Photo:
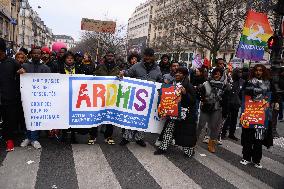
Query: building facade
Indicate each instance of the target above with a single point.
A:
(32, 30)
(138, 30)
(68, 40)
(9, 12)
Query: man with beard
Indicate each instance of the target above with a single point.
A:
(35, 66)
(108, 68)
(46, 59)
(148, 70)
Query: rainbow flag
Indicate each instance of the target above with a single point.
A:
(256, 32)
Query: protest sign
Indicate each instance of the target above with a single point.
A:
(254, 113)
(54, 101)
(169, 101)
(98, 25)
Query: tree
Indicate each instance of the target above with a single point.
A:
(205, 24)
(93, 41)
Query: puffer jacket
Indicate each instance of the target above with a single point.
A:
(33, 67)
(139, 71)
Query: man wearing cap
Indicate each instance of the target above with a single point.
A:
(10, 97)
(46, 59)
(148, 70)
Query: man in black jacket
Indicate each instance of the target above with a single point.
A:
(9, 95)
(35, 66)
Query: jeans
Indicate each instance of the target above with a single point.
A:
(32, 135)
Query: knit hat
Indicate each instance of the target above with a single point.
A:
(2, 45)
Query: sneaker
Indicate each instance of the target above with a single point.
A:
(244, 162)
(173, 142)
(258, 165)
(25, 143)
(159, 152)
(206, 139)
(9, 145)
(158, 143)
(233, 137)
(36, 144)
(91, 141)
(219, 141)
(123, 142)
(109, 141)
(141, 143)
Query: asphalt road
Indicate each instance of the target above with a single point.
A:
(69, 166)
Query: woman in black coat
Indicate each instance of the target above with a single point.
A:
(252, 139)
(183, 129)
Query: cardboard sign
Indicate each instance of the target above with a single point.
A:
(98, 26)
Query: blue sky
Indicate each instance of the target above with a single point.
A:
(64, 16)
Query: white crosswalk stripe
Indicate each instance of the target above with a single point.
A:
(166, 174)
(269, 164)
(279, 142)
(93, 169)
(20, 168)
(238, 178)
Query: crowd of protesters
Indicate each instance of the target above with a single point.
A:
(211, 98)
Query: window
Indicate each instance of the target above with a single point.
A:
(190, 56)
(184, 56)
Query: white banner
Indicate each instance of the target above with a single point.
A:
(56, 101)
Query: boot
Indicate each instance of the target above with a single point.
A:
(212, 146)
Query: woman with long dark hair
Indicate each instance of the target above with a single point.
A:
(257, 87)
(183, 130)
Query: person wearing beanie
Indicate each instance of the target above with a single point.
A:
(148, 70)
(10, 98)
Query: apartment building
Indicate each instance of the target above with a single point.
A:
(32, 30)
(9, 11)
(68, 40)
(138, 29)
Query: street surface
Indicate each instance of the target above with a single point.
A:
(72, 166)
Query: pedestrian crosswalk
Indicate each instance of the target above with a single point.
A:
(70, 166)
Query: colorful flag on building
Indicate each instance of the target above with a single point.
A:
(256, 32)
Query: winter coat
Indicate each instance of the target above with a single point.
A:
(169, 77)
(77, 70)
(31, 67)
(139, 71)
(87, 69)
(257, 89)
(9, 82)
(103, 70)
(53, 66)
(212, 95)
(185, 130)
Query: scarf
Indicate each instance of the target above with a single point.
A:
(69, 69)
